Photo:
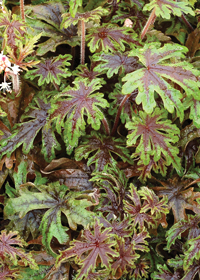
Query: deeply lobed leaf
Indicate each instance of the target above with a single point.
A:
(81, 101)
(97, 245)
(158, 76)
(156, 135)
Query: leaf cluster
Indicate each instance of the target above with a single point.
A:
(99, 140)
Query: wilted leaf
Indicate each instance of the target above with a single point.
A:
(181, 196)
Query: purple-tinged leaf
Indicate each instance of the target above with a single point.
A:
(135, 210)
(110, 37)
(158, 75)
(114, 63)
(102, 150)
(191, 224)
(181, 196)
(80, 102)
(51, 70)
(193, 253)
(127, 256)
(141, 269)
(25, 133)
(139, 242)
(165, 274)
(121, 229)
(96, 245)
(156, 135)
(7, 241)
(14, 28)
(6, 271)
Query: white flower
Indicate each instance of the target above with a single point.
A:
(4, 62)
(15, 69)
(5, 86)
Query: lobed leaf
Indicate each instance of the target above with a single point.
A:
(127, 256)
(97, 245)
(134, 208)
(87, 16)
(156, 135)
(164, 8)
(80, 102)
(110, 37)
(56, 199)
(47, 18)
(114, 63)
(181, 196)
(158, 75)
(176, 231)
(100, 150)
(51, 70)
(25, 133)
(7, 241)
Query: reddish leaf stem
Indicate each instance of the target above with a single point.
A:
(22, 9)
(187, 22)
(150, 21)
(82, 42)
(106, 126)
(126, 97)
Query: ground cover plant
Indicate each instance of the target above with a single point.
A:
(99, 139)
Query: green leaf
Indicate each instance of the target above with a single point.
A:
(164, 8)
(47, 19)
(75, 104)
(110, 37)
(193, 253)
(31, 274)
(56, 199)
(158, 76)
(114, 63)
(51, 70)
(93, 15)
(100, 150)
(73, 6)
(154, 135)
(25, 133)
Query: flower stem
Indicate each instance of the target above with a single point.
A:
(22, 9)
(126, 97)
(150, 21)
(82, 42)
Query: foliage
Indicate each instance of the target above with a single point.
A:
(99, 139)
